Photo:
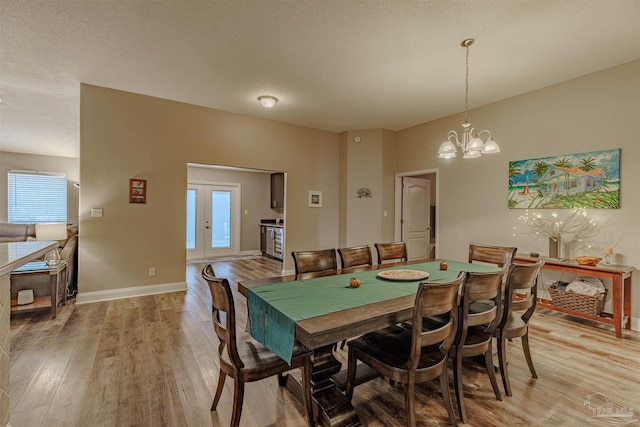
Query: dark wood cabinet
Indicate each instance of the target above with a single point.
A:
(277, 190)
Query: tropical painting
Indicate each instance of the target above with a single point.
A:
(571, 181)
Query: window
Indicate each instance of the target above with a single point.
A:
(36, 197)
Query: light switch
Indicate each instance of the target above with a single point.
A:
(96, 212)
(246, 212)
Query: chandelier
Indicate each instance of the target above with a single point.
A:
(470, 142)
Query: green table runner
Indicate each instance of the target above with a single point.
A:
(273, 309)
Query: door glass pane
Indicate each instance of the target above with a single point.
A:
(191, 219)
(220, 219)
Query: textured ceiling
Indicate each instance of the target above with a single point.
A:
(334, 65)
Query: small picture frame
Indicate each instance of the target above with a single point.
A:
(137, 191)
(315, 199)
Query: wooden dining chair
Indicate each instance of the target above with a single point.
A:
(396, 251)
(314, 261)
(412, 356)
(518, 307)
(355, 256)
(244, 359)
(475, 329)
(489, 254)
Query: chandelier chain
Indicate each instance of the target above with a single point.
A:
(466, 89)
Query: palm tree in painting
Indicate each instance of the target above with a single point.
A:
(540, 168)
(562, 163)
(588, 164)
(513, 171)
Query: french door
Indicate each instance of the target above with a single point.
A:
(213, 220)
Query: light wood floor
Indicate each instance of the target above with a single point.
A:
(151, 361)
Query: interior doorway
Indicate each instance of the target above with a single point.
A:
(251, 207)
(416, 212)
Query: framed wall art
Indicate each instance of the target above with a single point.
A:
(315, 199)
(570, 181)
(137, 191)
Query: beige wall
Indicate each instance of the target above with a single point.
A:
(593, 112)
(388, 152)
(124, 135)
(255, 199)
(370, 164)
(32, 162)
(364, 166)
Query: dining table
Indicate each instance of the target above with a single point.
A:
(323, 309)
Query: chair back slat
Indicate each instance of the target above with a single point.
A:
(498, 255)
(314, 261)
(523, 301)
(355, 256)
(396, 251)
(484, 317)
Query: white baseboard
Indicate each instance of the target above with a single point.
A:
(254, 252)
(635, 324)
(136, 291)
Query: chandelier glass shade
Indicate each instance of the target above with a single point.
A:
(469, 141)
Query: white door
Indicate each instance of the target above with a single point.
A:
(416, 196)
(213, 220)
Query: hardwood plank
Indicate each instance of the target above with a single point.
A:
(165, 408)
(65, 410)
(46, 380)
(100, 405)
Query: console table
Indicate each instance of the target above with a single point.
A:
(620, 276)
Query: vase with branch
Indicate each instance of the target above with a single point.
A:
(563, 235)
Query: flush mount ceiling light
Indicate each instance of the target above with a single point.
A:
(267, 101)
(471, 144)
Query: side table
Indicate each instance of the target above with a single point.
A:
(620, 276)
(25, 277)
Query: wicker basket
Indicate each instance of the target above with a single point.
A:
(583, 303)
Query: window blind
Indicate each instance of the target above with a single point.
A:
(36, 197)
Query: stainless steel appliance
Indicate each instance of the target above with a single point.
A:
(274, 242)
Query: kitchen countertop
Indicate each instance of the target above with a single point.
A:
(271, 223)
(15, 254)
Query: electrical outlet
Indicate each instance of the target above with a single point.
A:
(96, 212)
(152, 271)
